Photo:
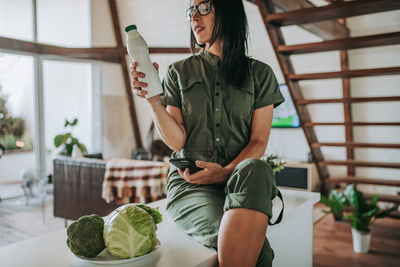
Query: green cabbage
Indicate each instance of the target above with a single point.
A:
(130, 231)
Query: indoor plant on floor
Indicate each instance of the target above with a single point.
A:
(361, 217)
(337, 202)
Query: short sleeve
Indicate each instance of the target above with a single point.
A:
(267, 90)
(171, 94)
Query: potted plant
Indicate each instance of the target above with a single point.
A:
(361, 217)
(274, 162)
(337, 203)
(67, 141)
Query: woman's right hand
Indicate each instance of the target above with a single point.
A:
(137, 86)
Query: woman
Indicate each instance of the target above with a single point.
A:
(219, 107)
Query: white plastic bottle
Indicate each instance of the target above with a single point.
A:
(139, 51)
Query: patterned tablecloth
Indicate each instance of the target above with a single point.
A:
(134, 181)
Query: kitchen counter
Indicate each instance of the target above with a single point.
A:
(291, 241)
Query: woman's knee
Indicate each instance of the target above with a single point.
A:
(253, 171)
(252, 186)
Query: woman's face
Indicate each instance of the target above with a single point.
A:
(202, 26)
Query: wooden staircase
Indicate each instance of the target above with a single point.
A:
(337, 10)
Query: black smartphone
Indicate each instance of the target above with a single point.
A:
(183, 163)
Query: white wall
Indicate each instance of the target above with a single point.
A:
(163, 24)
(379, 57)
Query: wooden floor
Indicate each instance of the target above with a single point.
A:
(19, 221)
(333, 244)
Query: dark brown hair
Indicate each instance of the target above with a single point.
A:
(231, 27)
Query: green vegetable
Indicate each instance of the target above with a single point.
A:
(85, 236)
(155, 213)
(130, 230)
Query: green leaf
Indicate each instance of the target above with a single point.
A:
(374, 200)
(155, 213)
(324, 200)
(74, 122)
(362, 202)
(370, 213)
(82, 148)
(385, 213)
(61, 139)
(348, 216)
(58, 140)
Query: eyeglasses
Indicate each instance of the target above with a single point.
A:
(204, 8)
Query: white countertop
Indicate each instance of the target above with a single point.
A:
(177, 249)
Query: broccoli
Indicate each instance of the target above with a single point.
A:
(85, 236)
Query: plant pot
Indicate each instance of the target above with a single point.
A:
(361, 241)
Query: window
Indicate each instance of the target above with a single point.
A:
(67, 90)
(17, 122)
(18, 27)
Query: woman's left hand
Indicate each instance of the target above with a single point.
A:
(212, 173)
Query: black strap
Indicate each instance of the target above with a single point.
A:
(281, 213)
(2, 149)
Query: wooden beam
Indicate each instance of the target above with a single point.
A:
(348, 100)
(354, 145)
(109, 54)
(276, 37)
(324, 29)
(346, 74)
(333, 11)
(361, 163)
(19, 45)
(125, 72)
(362, 180)
(169, 50)
(342, 43)
(312, 124)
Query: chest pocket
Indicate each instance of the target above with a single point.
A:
(193, 97)
(243, 102)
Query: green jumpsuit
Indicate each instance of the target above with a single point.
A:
(217, 119)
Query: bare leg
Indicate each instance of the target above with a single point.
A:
(241, 237)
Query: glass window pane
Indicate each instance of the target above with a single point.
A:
(16, 19)
(17, 116)
(64, 23)
(67, 90)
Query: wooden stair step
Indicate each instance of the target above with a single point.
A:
(347, 100)
(332, 11)
(354, 144)
(385, 198)
(311, 124)
(345, 74)
(395, 214)
(342, 44)
(356, 163)
(362, 180)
